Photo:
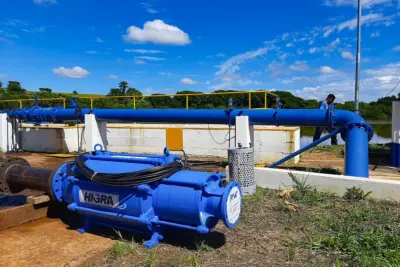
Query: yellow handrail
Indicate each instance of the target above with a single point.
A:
(187, 97)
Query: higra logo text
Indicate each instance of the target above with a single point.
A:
(97, 198)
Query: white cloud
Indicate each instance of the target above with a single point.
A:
(157, 32)
(143, 51)
(75, 72)
(327, 70)
(92, 52)
(375, 34)
(148, 6)
(312, 50)
(392, 69)
(299, 79)
(233, 82)
(366, 3)
(373, 19)
(3, 76)
(329, 48)
(99, 40)
(43, 2)
(168, 74)
(396, 48)
(188, 81)
(112, 76)
(151, 10)
(282, 56)
(232, 64)
(139, 62)
(300, 51)
(375, 83)
(255, 73)
(299, 66)
(276, 68)
(347, 55)
(289, 45)
(217, 55)
(150, 58)
(15, 23)
(39, 29)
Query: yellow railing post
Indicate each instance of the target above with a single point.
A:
(20, 104)
(265, 100)
(134, 102)
(249, 100)
(187, 101)
(91, 102)
(64, 102)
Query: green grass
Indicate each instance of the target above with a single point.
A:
(120, 248)
(366, 234)
(307, 194)
(323, 230)
(359, 233)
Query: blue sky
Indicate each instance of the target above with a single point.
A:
(306, 47)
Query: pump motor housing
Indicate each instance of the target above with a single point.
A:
(190, 200)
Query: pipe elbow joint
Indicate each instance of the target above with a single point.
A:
(349, 120)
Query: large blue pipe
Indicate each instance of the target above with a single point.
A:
(284, 117)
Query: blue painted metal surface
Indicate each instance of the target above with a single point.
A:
(188, 200)
(395, 155)
(307, 147)
(356, 151)
(284, 117)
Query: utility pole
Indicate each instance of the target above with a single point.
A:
(358, 58)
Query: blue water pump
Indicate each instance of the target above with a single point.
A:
(186, 199)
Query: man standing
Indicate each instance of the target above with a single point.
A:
(318, 131)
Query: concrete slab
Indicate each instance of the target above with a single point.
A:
(279, 179)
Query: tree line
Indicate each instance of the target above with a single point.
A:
(381, 109)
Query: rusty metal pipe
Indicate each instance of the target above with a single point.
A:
(21, 177)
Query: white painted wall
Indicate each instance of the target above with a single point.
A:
(396, 122)
(270, 143)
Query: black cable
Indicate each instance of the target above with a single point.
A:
(393, 88)
(225, 140)
(129, 179)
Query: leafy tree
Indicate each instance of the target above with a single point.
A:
(74, 92)
(115, 92)
(1, 84)
(133, 92)
(123, 87)
(14, 87)
(45, 90)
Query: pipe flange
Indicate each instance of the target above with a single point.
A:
(5, 164)
(352, 125)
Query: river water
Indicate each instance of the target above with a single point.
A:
(382, 134)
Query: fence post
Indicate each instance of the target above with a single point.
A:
(187, 101)
(64, 102)
(20, 104)
(91, 103)
(249, 100)
(265, 99)
(134, 102)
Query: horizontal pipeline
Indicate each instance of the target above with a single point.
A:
(284, 117)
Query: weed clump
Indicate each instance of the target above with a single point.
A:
(355, 193)
(307, 194)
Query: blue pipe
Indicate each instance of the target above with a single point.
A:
(395, 155)
(307, 147)
(284, 117)
(356, 151)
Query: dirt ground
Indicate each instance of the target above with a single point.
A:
(257, 241)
